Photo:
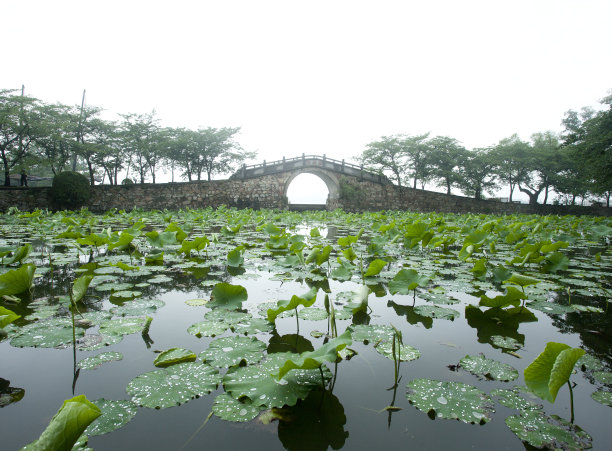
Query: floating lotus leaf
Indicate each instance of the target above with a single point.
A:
(216, 322)
(586, 308)
(159, 279)
(115, 414)
(603, 377)
(512, 398)
(228, 296)
(589, 362)
(230, 409)
(550, 307)
(505, 342)
(114, 286)
(434, 311)
(367, 333)
(122, 326)
(252, 326)
(48, 333)
(406, 352)
(490, 369)
(138, 307)
(229, 351)
(602, 397)
(312, 314)
(293, 343)
(450, 400)
(173, 356)
(42, 312)
(8, 394)
(126, 294)
(438, 298)
(542, 431)
(93, 318)
(196, 302)
(257, 383)
(522, 280)
(91, 363)
(174, 385)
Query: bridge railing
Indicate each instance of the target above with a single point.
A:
(302, 158)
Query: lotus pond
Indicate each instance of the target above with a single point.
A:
(229, 329)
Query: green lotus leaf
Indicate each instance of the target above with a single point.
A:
(589, 362)
(159, 279)
(450, 400)
(94, 239)
(522, 280)
(407, 280)
(229, 351)
(371, 333)
(17, 281)
(312, 314)
(505, 342)
(344, 271)
(230, 409)
(292, 343)
(122, 326)
(438, 298)
(174, 385)
(196, 302)
(375, 267)
(318, 255)
(8, 394)
(490, 369)
(19, 254)
(306, 300)
(542, 431)
(314, 359)
(555, 262)
(604, 377)
(587, 308)
(126, 294)
(121, 242)
(114, 286)
(115, 415)
(513, 296)
(217, 321)
(93, 318)
(91, 363)
(257, 383)
(80, 286)
(173, 356)
(551, 369)
(406, 352)
(551, 308)
(138, 307)
(251, 326)
(434, 311)
(512, 398)
(602, 397)
(155, 258)
(67, 425)
(157, 239)
(228, 296)
(7, 317)
(235, 257)
(48, 333)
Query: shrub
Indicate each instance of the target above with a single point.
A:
(127, 182)
(70, 190)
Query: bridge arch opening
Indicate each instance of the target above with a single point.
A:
(307, 188)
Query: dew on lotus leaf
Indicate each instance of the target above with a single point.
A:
(228, 349)
(282, 382)
(243, 412)
(478, 415)
(442, 400)
(174, 376)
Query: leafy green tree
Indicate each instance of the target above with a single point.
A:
(543, 165)
(18, 129)
(510, 156)
(387, 155)
(417, 150)
(138, 134)
(477, 173)
(444, 157)
(54, 144)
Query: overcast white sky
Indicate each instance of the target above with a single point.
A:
(318, 77)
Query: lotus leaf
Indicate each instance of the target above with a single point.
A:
(406, 352)
(551, 308)
(115, 415)
(257, 383)
(551, 369)
(229, 351)
(48, 333)
(522, 280)
(312, 314)
(513, 296)
(8, 394)
(196, 302)
(314, 359)
(375, 267)
(603, 377)
(157, 239)
(490, 369)
(505, 342)
(228, 296)
(19, 254)
(17, 281)
(587, 308)
(306, 300)
(602, 397)
(434, 311)
(407, 280)
(542, 431)
(251, 326)
(512, 398)
(138, 307)
(173, 356)
(126, 294)
(122, 326)
(174, 385)
(91, 363)
(114, 286)
(7, 317)
(438, 298)
(371, 333)
(450, 400)
(230, 409)
(67, 425)
(589, 362)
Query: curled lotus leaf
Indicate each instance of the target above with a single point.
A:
(173, 356)
(450, 400)
(115, 414)
(230, 409)
(542, 431)
(229, 351)
(490, 369)
(257, 383)
(174, 385)
(91, 363)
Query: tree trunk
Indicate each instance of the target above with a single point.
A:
(448, 187)
(92, 180)
(7, 176)
(415, 183)
(545, 194)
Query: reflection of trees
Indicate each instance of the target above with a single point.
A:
(315, 423)
(497, 321)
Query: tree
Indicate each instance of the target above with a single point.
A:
(18, 115)
(510, 156)
(54, 144)
(417, 150)
(543, 164)
(444, 157)
(477, 173)
(386, 155)
(138, 135)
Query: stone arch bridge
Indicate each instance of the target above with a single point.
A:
(281, 173)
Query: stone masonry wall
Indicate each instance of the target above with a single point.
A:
(267, 192)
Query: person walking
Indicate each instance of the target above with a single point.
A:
(24, 178)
